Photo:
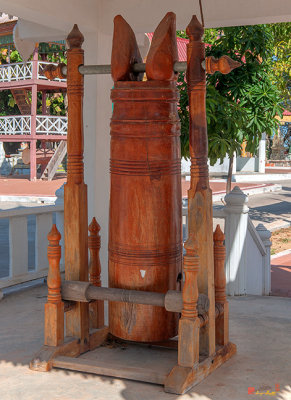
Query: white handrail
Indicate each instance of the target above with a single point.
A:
(17, 212)
(19, 270)
(256, 238)
(41, 67)
(15, 125)
(45, 125)
(16, 72)
(51, 125)
(23, 70)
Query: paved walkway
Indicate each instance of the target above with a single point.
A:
(272, 209)
(219, 186)
(278, 170)
(24, 187)
(259, 327)
(281, 275)
(16, 186)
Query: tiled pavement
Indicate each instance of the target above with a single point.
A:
(281, 275)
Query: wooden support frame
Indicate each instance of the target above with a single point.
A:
(203, 343)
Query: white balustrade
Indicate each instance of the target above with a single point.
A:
(19, 269)
(248, 261)
(23, 71)
(40, 72)
(45, 125)
(51, 125)
(16, 72)
(15, 125)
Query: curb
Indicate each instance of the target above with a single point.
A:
(247, 178)
(250, 191)
(29, 199)
(283, 225)
(281, 254)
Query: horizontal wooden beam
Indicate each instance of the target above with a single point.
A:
(85, 292)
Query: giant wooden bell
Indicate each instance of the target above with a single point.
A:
(145, 244)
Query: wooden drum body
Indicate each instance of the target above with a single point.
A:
(145, 241)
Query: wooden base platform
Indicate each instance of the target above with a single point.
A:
(139, 362)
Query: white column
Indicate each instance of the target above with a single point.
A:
(18, 246)
(43, 227)
(234, 163)
(236, 222)
(265, 236)
(97, 115)
(262, 153)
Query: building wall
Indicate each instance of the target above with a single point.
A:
(247, 164)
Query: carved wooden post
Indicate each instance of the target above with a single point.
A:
(96, 308)
(221, 323)
(189, 324)
(75, 192)
(200, 194)
(54, 308)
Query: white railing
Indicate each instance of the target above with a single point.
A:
(24, 70)
(40, 71)
(51, 125)
(16, 72)
(45, 125)
(15, 125)
(248, 260)
(18, 269)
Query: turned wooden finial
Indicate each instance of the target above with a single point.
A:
(54, 257)
(94, 244)
(218, 235)
(54, 236)
(223, 64)
(94, 227)
(75, 38)
(195, 29)
(219, 259)
(125, 52)
(163, 52)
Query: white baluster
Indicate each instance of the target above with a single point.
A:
(43, 226)
(18, 246)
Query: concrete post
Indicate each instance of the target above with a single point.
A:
(234, 163)
(2, 158)
(265, 236)
(33, 166)
(60, 223)
(262, 154)
(236, 225)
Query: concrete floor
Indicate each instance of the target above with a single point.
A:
(260, 326)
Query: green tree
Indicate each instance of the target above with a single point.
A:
(281, 60)
(240, 105)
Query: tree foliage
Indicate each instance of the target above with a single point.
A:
(243, 104)
(281, 61)
(55, 101)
